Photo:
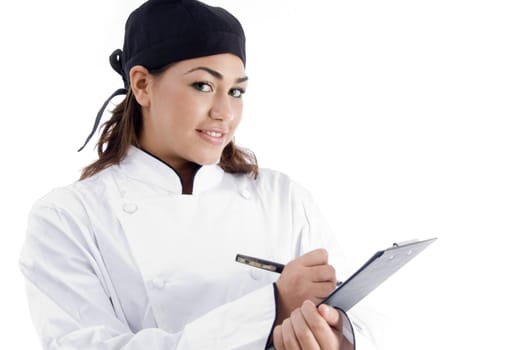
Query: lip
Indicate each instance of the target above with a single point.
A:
(214, 136)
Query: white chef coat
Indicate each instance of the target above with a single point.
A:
(124, 260)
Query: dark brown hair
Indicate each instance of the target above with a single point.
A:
(123, 130)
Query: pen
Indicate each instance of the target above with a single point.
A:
(263, 264)
(260, 263)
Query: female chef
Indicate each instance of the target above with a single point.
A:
(139, 254)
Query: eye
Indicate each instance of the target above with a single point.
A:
(202, 86)
(237, 92)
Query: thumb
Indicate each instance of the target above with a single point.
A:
(331, 315)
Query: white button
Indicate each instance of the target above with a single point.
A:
(245, 193)
(158, 283)
(130, 208)
(255, 274)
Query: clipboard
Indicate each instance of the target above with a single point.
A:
(382, 265)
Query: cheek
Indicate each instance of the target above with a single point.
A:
(233, 126)
(238, 113)
(181, 109)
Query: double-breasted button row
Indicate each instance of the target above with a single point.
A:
(130, 208)
(245, 193)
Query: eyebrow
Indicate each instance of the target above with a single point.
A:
(216, 74)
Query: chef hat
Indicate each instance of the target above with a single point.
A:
(160, 32)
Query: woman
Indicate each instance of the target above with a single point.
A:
(139, 254)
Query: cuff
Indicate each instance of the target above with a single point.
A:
(347, 328)
(269, 344)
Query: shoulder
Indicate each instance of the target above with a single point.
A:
(272, 183)
(66, 215)
(271, 178)
(72, 199)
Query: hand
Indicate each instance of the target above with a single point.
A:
(308, 277)
(311, 328)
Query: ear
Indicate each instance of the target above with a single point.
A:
(140, 83)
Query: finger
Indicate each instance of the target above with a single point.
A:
(323, 273)
(277, 338)
(314, 257)
(322, 289)
(322, 331)
(289, 337)
(303, 333)
(331, 315)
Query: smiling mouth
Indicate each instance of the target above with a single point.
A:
(213, 133)
(215, 137)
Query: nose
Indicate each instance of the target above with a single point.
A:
(222, 109)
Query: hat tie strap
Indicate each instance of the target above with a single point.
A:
(116, 64)
(99, 115)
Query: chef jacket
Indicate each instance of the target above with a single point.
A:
(124, 260)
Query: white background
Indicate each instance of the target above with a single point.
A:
(405, 119)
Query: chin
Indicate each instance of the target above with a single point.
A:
(207, 160)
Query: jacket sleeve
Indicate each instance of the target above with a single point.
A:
(315, 232)
(71, 305)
